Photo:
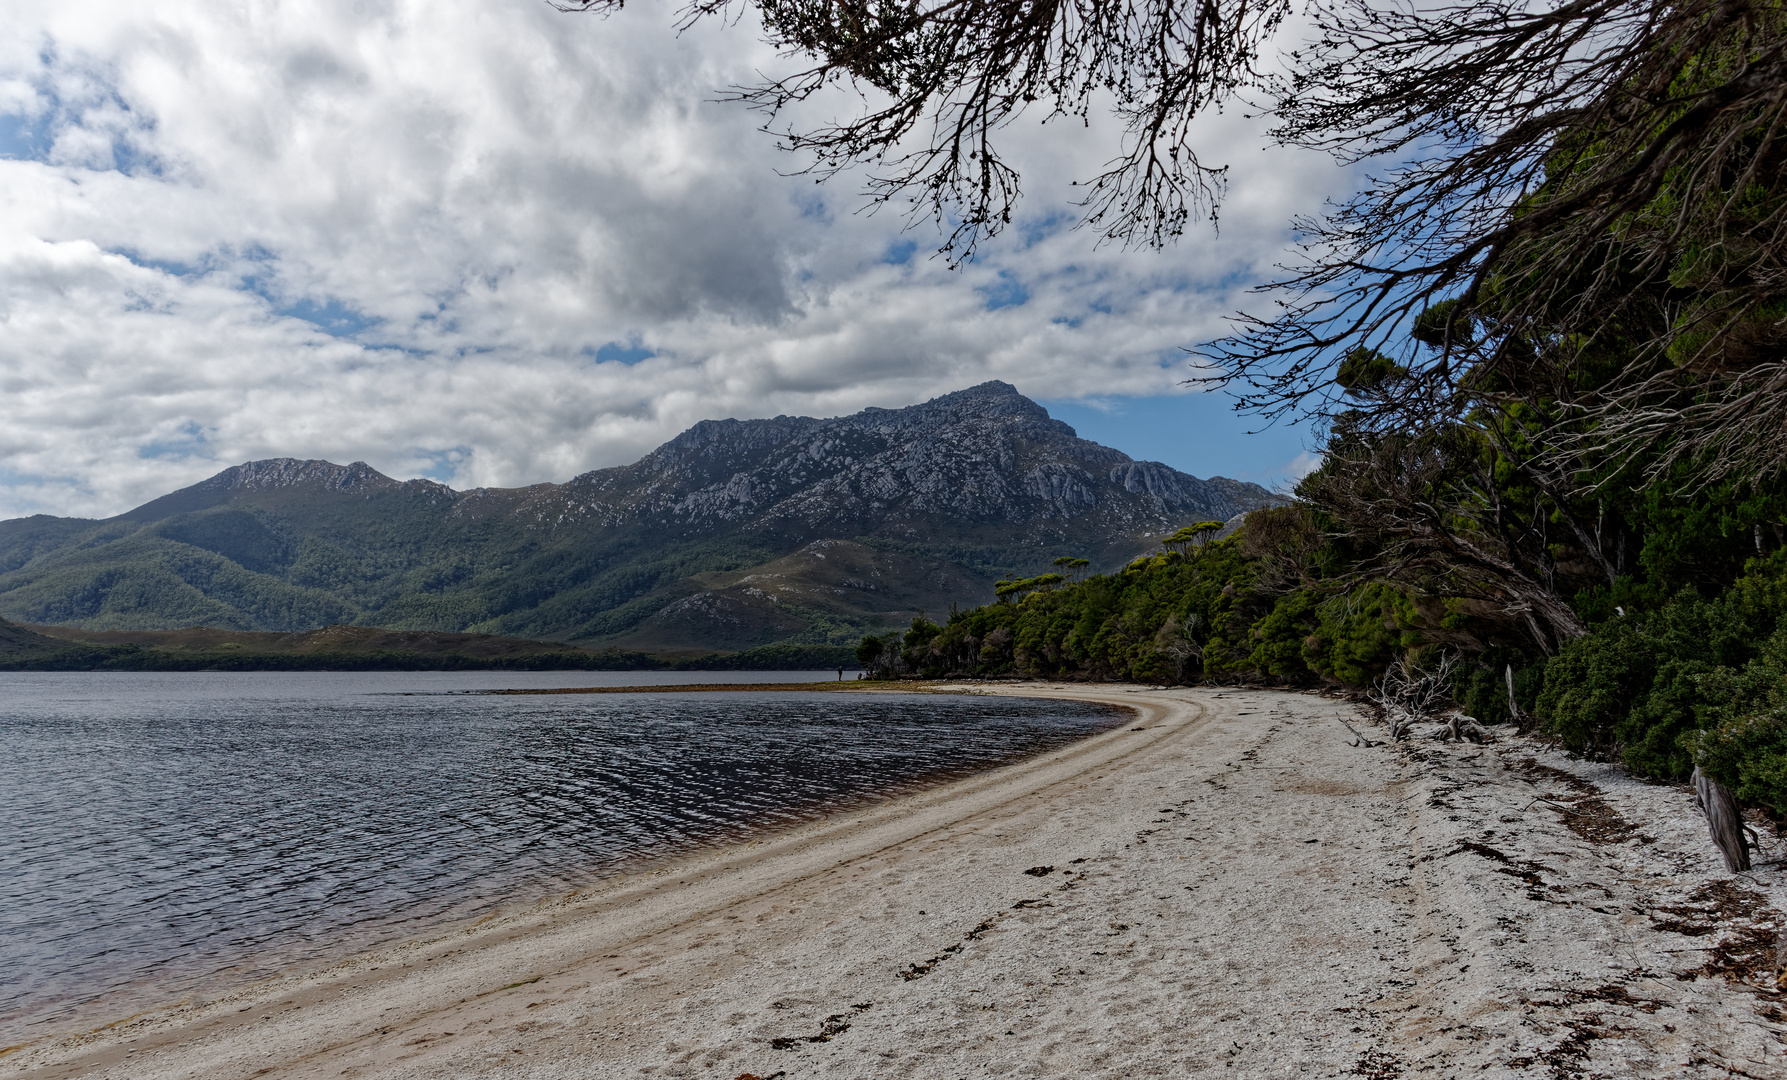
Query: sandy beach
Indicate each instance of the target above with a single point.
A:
(1229, 885)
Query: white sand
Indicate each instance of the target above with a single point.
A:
(1234, 890)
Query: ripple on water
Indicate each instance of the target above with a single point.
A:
(159, 836)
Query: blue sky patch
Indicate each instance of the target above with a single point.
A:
(622, 352)
(899, 254)
(440, 465)
(812, 206)
(30, 138)
(331, 316)
(13, 478)
(130, 161)
(20, 139)
(1036, 230)
(166, 266)
(1196, 433)
(184, 443)
(1007, 292)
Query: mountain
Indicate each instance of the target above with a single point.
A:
(736, 533)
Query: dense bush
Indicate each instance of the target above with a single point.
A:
(1171, 617)
(1481, 688)
(1207, 612)
(1693, 679)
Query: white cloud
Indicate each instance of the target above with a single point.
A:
(1302, 465)
(403, 232)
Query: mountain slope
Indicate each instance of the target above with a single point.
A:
(832, 587)
(935, 501)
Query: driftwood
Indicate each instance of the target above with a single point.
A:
(1408, 696)
(1459, 727)
(1723, 821)
(1516, 714)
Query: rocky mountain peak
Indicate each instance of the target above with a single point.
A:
(982, 457)
(273, 473)
(990, 404)
(990, 401)
(990, 407)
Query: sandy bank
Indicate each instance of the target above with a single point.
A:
(1227, 886)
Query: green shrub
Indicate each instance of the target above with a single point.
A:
(915, 644)
(1651, 735)
(1748, 754)
(1279, 637)
(1360, 634)
(1743, 713)
(1592, 685)
(1640, 687)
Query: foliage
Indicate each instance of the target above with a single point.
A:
(1201, 611)
(1744, 743)
(1644, 685)
(1019, 587)
(1481, 688)
(1358, 635)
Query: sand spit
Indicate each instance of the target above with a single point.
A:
(1228, 886)
(824, 686)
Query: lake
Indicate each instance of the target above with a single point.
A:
(165, 835)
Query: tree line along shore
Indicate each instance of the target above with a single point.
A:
(1681, 660)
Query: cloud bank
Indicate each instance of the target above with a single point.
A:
(487, 242)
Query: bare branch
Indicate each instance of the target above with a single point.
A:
(1594, 182)
(939, 81)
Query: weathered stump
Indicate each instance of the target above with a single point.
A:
(1723, 821)
(1516, 715)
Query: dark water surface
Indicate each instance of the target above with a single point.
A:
(165, 834)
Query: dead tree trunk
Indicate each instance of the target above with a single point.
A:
(1516, 715)
(1723, 821)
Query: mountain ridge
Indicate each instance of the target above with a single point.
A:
(952, 492)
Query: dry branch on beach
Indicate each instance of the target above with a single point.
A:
(1407, 695)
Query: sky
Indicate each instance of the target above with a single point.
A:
(494, 244)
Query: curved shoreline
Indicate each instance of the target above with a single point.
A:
(580, 794)
(142, 1033)
(1230, 884)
